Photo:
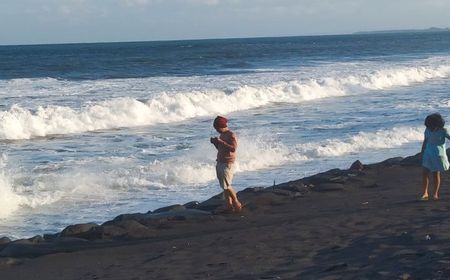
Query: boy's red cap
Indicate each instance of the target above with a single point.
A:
(220, 122)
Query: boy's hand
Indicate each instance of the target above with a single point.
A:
(214, 140)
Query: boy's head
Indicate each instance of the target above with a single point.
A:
(434, 121)
(220, 123)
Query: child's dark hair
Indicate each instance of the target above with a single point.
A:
(434, 121)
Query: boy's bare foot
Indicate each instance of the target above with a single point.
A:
(238, 207)
(435, 197)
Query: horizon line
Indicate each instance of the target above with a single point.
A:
(374, 32)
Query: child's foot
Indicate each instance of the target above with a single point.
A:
(237, 207)
(435, 197)
(424, 197)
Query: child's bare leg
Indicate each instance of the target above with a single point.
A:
(228, 200)
(437, 184)
(425, 182)
(234, 200)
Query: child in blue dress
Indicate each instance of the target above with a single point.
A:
(434, 156)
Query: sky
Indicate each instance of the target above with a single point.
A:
(70, 21)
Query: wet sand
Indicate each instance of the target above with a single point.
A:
(341, 224)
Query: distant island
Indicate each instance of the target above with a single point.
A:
(431, 29)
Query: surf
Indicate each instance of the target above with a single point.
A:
(20, 122)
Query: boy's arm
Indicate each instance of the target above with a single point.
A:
(230, 147)
(215, 142)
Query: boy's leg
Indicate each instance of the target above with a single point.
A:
(437, 184)
(425, 182)
(234, 200)
(228, 177)
(228, 200)
(222, 176)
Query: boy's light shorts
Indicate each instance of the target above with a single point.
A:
(225, 172)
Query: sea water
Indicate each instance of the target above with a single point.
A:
(90, 131)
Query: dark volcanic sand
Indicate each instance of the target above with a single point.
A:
(366, 225)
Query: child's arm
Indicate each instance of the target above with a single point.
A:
(446, 134)
(424, 143)
(214, 141)
(230, 147)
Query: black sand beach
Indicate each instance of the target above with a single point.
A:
(341, 224)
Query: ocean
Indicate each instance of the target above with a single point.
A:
(90, 131)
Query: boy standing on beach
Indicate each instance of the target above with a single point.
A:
(226, 145)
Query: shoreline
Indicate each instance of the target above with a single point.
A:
(359, 223)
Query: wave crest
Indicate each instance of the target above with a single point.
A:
(22, 123)
(363, 141)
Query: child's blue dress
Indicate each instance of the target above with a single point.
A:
(434, 156)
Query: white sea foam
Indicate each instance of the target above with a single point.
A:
(22, 123)
(258, 152)
(363, 141)
(402, 76)
(76, 184)
(110, 178)
(198, 165)
(107, 179)
(261, 152)
(9, 200)
(13, 195)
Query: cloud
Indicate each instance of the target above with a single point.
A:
(53, 8)
(134, 3)
(205, 2)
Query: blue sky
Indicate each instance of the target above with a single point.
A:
(58, 21)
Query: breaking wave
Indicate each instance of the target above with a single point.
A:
(363, 141)
(22, 123)
(105, 180)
